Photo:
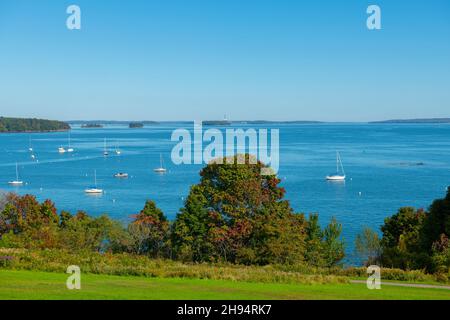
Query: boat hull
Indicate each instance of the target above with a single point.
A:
(335, 178)
(15, 183)
(93, 191)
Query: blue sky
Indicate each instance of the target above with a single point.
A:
(201, 59)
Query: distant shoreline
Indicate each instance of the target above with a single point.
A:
(258, 121)
(424, 120)
(31, 125)
(238, 122)
(31, 131)
(85, 124)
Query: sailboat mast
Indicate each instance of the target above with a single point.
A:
(95, 178)
(337, 161)
(17, 172)
(340, 163)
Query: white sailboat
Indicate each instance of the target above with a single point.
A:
(30, 148)
(338, 176)
(70, 149)
(105, 151)
(61, 150)
(161, 168)
(16, 182)
(94, 189)
(118, 152)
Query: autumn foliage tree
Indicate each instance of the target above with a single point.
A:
(27, 223)
(236, 214)
(32, 223)
(150, 231)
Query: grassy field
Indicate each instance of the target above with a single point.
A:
(42, 285)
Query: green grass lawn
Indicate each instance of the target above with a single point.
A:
(42, 285)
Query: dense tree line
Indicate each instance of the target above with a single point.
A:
(411, 239)
(136, 125)
(233, 215)
(31, 125)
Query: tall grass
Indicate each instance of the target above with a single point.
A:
(138, 265)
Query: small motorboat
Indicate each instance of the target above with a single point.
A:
(121, 175)
(93, 191)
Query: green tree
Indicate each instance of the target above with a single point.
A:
(334, 246)
(436, 223)
(400, 242)
(324, 247)
(82, 232)
(368, 246)
(440, 259)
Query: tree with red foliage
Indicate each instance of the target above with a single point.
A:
(236, 214)
(150, 231)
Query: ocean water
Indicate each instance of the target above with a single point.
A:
(387, 165)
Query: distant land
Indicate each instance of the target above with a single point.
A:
(42, 125)
(288, 121)
(12, 125)
(216, 123)
(430, 120)
(91, 125)
(136, 125)
(108, 122)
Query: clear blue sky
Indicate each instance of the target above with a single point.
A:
(200, 59)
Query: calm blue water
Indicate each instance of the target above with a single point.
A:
(380, 162)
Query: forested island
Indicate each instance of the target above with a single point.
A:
(31, 125)
(136, 125)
